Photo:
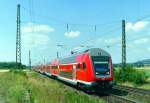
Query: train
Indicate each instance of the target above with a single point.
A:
(91, 68)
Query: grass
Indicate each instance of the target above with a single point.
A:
(30, 87)
(146, 70)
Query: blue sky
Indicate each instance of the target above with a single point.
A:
(46, 26)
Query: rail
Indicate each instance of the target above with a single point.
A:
(132, 89)
(111, 98)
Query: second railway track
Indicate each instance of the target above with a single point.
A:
(140, 95)
(111, 98)
(132, 89)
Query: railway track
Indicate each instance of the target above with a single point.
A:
(107, 96)
(111, 98)
(138, 94)
(132, 89)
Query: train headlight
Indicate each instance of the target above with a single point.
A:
(97, 73)
(107, 73)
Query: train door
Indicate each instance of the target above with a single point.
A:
(74, 72)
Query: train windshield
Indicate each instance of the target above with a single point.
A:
(101, 65)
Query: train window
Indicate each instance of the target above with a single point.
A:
(78, 66)
(54, 67)
(84, 66)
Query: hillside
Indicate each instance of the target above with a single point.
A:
(145, 61)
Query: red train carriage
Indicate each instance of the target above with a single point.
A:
(90, 68)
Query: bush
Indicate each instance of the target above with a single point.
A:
(117, 75)
(130, 74)
(139, 77)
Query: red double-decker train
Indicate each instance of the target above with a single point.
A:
(87, 69)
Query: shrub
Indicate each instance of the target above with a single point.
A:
(130, 74)
(139, 77)
(117, 75)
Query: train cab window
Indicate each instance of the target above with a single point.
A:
(84, 66)
(78, 66)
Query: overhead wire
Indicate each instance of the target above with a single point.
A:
(67, 22)
(102, 35)
(64, 22)
(93, 25)
(139, 19)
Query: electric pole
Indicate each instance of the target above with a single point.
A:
(123, 45)
(18, 40)
(29, 59)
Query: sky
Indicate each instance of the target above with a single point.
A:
(74, 25)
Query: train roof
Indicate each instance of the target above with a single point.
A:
(91, 51)
(96, 52)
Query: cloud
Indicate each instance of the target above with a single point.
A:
(32, 40)
(40, 28)
(72, 34)
(141, 41)
(36, 35)
(140, 25)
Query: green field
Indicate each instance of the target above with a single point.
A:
(143, 86)
(145, 69)
(30, 87)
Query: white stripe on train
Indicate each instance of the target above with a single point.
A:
(74, 82)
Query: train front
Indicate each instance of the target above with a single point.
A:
(103, 69)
